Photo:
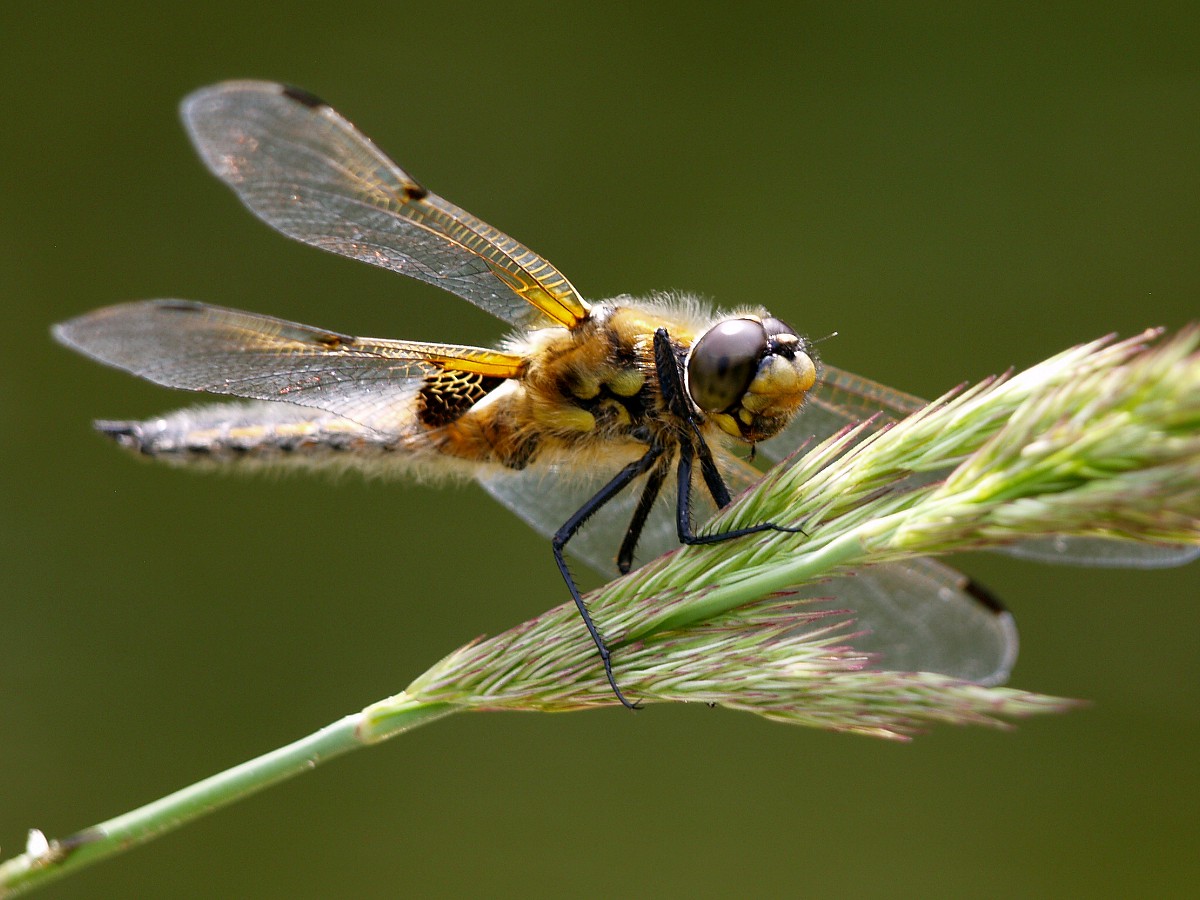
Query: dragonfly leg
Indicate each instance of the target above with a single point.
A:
(564, 534)
(683, 509)
(654, 483)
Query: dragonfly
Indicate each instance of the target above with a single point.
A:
(575, 421)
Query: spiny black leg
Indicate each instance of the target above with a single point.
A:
(654, 483)
(683, 508)
(670, 379)
(572, 525)
(709, 471)
(718, 490)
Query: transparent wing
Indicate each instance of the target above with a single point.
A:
(922, 616)
(305, 170)
(1105, 553)
(546, 496)
(197, 347)
(843, 398)
(918, 615)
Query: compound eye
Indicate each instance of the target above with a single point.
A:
(724, 362)
(775, 327)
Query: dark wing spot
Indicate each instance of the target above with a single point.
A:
(333, 341)
(188, 306)
(985, 597)
(303, 97)
(414, 191)
(448, 394)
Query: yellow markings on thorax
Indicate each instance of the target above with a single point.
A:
(565, 417)
(584, 385)
(626, 382)
(614, 412)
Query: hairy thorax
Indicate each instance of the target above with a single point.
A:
(590, 393)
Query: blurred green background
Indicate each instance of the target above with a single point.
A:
(952, 189)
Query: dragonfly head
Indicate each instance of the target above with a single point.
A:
(750, 374)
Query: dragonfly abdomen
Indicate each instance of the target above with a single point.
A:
(265, 432)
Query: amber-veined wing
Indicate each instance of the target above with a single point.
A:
(197, 347)
(843, 398)
(305, 170)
